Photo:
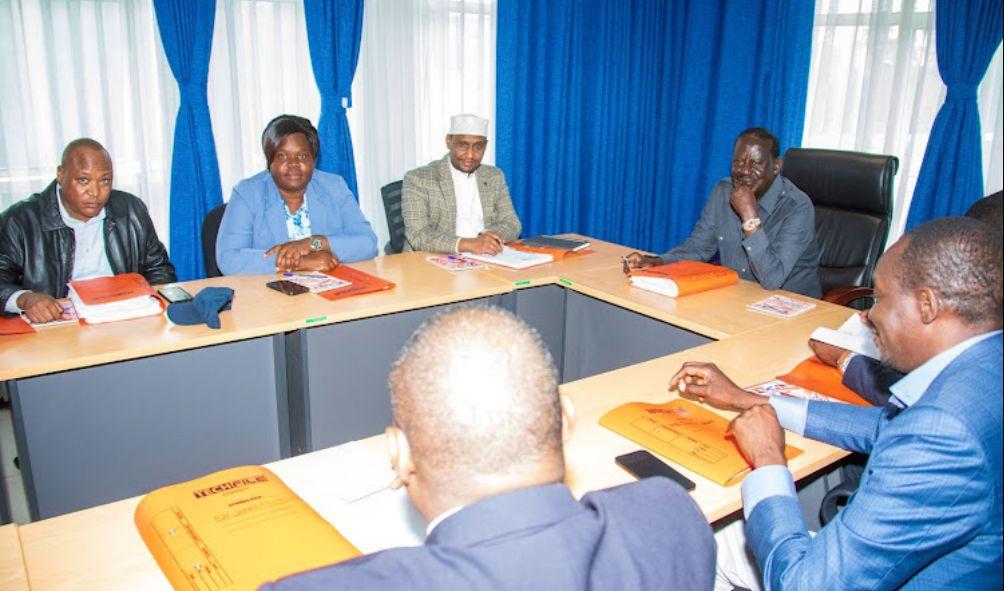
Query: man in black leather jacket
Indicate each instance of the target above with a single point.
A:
(77, 228)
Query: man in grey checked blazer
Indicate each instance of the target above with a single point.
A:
(456, 204)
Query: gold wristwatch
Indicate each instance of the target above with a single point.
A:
(316, 244)
(751, 224)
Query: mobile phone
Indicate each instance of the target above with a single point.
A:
(642, 464)
(174, 294)
(287, 287)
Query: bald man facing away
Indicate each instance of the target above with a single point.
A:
(77, 228)
(477, 440)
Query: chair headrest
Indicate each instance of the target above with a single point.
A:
(846, 180)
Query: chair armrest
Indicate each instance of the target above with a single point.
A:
(847, 294)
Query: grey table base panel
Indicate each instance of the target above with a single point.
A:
(601, 337)
(543, 308)
(338, 376)
(95, 435)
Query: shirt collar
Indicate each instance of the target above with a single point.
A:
(71, 221)
(912, 386)
(439, 518)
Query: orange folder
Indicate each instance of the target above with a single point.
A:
(104, 290)
(813, 374)
(687, 434)
(361, 283)
(235, 529)
(691, 276)
(14, 325)
(558, 253)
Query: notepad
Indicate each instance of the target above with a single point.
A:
(554, 243)
(110, 299)
(687, 434)
(512, 258)
(852, 335)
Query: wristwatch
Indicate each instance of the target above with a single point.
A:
(751, 224)
(316, 244)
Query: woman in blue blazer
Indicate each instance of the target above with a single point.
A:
(292, 217)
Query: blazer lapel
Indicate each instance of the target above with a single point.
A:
(275, 214)
(485, 195)
(449, 195)
(317, 206)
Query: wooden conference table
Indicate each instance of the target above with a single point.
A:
(99, 548)
(106, 412)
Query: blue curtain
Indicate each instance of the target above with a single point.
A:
(614, 119)
(186, 30)
(334, 29)
(967, 33)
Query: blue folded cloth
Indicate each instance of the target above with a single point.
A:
(205, 308)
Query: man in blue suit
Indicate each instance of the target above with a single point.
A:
(928, 512)
(477, 441)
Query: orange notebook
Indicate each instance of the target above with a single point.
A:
(104, 290)
(235, 529)
(14, 325)
(683, 278)
(813, 374)
(687, 434)
(558, 253)
(361, 283)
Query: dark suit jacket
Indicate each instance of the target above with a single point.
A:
(871, 379)
(646, 535)
(36, 247)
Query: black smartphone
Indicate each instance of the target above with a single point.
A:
(287, 287)
(174, 294)
(642, 464)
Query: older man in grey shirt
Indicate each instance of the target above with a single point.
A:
(758, 222)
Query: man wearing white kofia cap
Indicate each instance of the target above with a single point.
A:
(456, 204)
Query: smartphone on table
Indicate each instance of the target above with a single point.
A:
(174, 294)
(287, 287)
(642, 464)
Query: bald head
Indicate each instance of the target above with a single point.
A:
(476, 394)
(84, 149)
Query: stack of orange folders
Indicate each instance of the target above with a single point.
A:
(558, 253)
(119, 297)
(683, 278)
(687, 434)
(235, 529)
(813, 374)
(360, 283)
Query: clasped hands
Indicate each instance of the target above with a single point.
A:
(756, 430)
(296, 255)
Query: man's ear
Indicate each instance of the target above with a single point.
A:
(567, 417)
(778, 165)
(401, 459)
(448, 137)
(59, 175)
(929, 305)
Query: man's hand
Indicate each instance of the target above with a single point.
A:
(486, 242)
(39, 307)
(637, 260)
(743, 201)
(287, 255)
(759, 436)
(827, 353)
(707, 384)
(320, 261)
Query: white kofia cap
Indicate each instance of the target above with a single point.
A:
(467, 124)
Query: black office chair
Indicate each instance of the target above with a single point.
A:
(210, 228)
(395, 219)
(852, 194)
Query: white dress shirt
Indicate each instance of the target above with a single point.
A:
(470, 217)
(89, 257)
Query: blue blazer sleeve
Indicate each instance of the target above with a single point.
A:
(240, 247)
(925, 492)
